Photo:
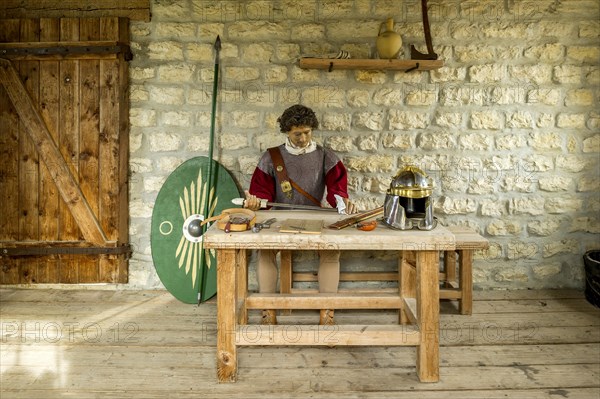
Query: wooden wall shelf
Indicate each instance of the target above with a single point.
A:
(370, 64)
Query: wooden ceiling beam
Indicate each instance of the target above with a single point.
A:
(132, 9)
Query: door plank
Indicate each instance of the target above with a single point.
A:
(88, 137)
(28, 159)
(48, 269)
(9, 167)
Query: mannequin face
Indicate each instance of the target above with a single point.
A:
(300, 136)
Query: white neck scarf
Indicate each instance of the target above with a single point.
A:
(299, 151)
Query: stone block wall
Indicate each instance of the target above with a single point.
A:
(509, 128)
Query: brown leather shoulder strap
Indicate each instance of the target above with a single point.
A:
(283, 178)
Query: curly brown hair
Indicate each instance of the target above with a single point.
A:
(297, 115)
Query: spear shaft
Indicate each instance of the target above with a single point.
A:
(210, 189)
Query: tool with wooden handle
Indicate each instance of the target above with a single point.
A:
(265, 204)
(356, 219)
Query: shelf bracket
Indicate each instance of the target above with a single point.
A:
(330, 66)
(412, 69)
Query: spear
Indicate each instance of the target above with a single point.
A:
(217, 47)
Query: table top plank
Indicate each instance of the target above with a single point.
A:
(382, 238)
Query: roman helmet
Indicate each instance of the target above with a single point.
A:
(408, 202)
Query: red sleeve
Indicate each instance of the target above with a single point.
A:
(336, 182)
(262, 185)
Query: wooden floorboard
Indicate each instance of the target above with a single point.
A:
(146, 344)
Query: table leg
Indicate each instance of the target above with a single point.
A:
(428, 309)
(465, 306)
(242, 284)
(226, 315)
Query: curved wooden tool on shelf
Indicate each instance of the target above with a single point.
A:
(416, 54)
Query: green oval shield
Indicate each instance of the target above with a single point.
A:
(176, 240)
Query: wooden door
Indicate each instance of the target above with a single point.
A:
(64, 150)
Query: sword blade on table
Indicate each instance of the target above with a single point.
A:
(264, 204)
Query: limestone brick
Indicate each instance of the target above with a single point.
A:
(493, 208)
(287, 52)
(138, 93)
(153, 183)
(476, 142)
(503, 227)
(367, 143)
(339, 30)
(488, 73)
(245, 119)
(586, 225)
(544, 96)
(510, 142)
(581, 97)
(139, 117)
(241, 74)
(368, 120)
(174, 30)
(447, 74)
(581, 54)
(533, 164)
(545, 120)
(388, 97)
(211, 31)
(555, 183)
(371, 163)
(553, 52)
(486, 120)
(275, 74)
(592, 75)
(436, 140)
(520, 120)
(166, 95)
(308, 31)
(256, 31)
(141, 73)
(340, 143)
(177, 118)
(176, 72)
(589, 29)
(588, 184)
(567, 74)
(592, 144)
(367, 76)
(481, 186)
(529, 205)
(511, 275)
(562, 204)
(404, 120)
(358, 98)
(545, 141)
(398, 140)
(421, 97)
(335, 122)
(448, 119)
(571, 121)
(560, 247)
(257, 53)
(571, 163)
(455, 206)
(160, 142)
(543, 271)
(324, 96)
(233, 141)
(198, 143)
(165, 51)
(140, 165)
(521, 249)
(475, 53)
(248, 163)
(538, 74)
(517, 184)
(543, 227)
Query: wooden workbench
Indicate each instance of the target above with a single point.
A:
(418, 304)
